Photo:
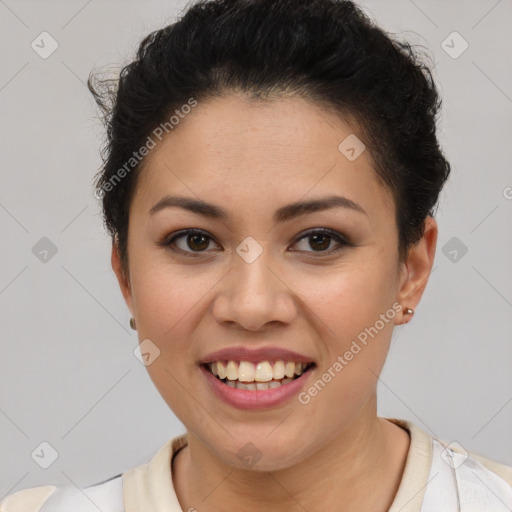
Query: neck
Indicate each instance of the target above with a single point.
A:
(370, 453)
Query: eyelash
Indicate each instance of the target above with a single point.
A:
(168, 242)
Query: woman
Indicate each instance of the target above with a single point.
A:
(269, 183)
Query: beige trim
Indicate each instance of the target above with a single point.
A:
(411, 491)
(27, 500)
(148, 487)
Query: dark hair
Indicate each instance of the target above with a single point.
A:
(325, 50)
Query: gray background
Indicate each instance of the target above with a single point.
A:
(68, 372)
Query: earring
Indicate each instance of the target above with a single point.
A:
(132, 323)
(407, 311)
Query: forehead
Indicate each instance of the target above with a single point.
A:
(235, 147)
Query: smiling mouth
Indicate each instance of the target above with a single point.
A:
(257, 376)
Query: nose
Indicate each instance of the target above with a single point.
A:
(253, 295)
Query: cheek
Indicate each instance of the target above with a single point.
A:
(350, 297)
(354, 316)
(165, 292)
(172, 302)
(169, 305)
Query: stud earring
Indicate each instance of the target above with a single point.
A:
(407, 311)
(132, 323)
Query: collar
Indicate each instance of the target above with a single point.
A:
(149, 488)
(413, 485)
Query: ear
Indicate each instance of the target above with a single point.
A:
(122, 278)
(416, 269)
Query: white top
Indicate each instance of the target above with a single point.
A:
(436, 478)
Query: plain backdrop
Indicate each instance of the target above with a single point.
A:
(69, 376)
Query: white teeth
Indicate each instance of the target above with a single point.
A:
(232, 370)
(278, 370)
(289, 369)
(260, 386)
(265, 374)
(249, 386)
(246, 371)
(221, 369)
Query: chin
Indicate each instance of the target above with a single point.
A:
(260, 453)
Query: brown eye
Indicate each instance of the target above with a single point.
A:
(320, 241)
(189, 241)
(193, 242)
(197, 242)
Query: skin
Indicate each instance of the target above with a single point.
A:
(252, 157)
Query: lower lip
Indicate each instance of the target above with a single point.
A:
(258, 399)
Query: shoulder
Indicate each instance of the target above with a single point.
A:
(27, 500)
(106, 496)
(138, 487)
(466, 479)
(499, 469)
(456, 456)
(442, 477)
(425, 445)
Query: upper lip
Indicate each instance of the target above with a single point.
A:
(255, 355)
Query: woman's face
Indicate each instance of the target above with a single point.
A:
(264, 279)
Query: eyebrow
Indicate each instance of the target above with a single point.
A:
(283, 214)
